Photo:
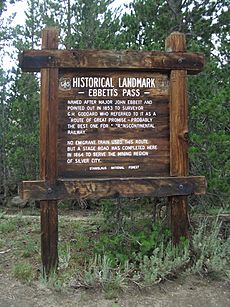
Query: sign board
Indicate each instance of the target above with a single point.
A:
(113, 124)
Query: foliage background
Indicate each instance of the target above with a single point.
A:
(144, 25)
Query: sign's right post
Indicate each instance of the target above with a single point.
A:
(178, 205)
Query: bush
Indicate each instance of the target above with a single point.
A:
(211, 254)
(24, 272)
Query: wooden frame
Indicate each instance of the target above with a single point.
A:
(34, 60)
(117, 187)
(176, 63)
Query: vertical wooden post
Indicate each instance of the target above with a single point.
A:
(48, 154)
(178, 205)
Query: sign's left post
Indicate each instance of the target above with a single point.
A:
(48, 154)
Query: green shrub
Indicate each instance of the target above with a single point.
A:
(100, 272)
(126, 244)
(30, 247)
(165, 261)
(7, 226)
(24, 272)
(211, 253)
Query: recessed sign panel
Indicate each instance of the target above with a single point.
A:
(113, 124)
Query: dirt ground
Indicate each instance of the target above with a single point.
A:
(184, 292)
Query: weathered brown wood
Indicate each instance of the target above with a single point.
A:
(117, 187)
(118, 134)
(34, 60)
(48, 158)
(178, 124)
(49, 235)
(176, 42)
(178, 205)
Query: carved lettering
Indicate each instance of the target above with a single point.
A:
(118, 123)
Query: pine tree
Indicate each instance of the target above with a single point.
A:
(206, 26)
(23, 105)
(83, 24)
(3, 131)
(22, 136)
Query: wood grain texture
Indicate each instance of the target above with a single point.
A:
(148, 162)
(178, 124)
(175, 42)
(34, 60)
(48, 111)
(49, 235)
(178, 205)
(117, 187)
(48, 154)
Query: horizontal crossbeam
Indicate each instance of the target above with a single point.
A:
(34, 60)
(116, 187)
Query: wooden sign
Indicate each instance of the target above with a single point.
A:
(112, 124)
